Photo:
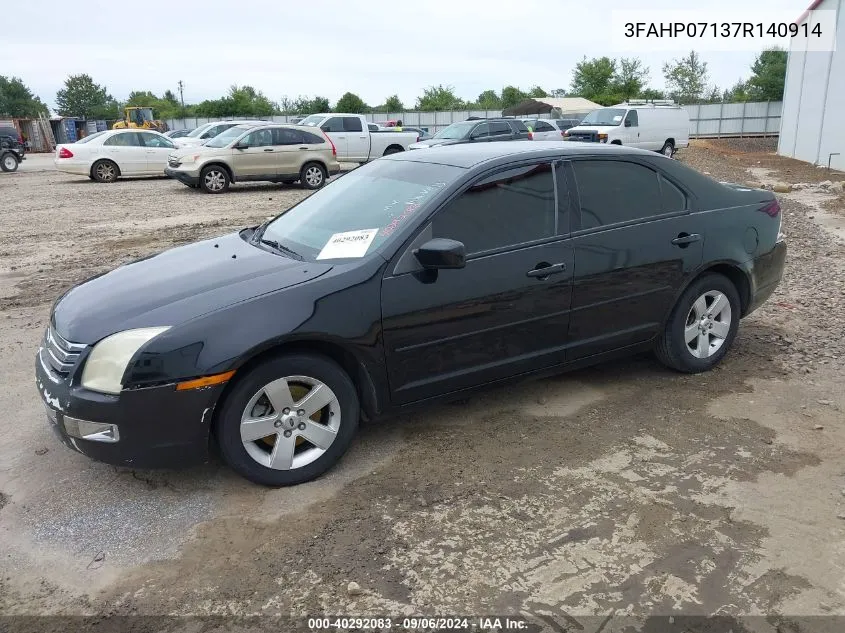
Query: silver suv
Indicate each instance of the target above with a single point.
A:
(271, 152)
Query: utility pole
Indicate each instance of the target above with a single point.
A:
(182, 97)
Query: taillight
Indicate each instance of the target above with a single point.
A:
(530, 135)
(418, 139)
(772, 209)
(334, 149)
(65, 153)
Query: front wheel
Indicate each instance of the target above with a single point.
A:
(312, 175)
(10, 162)
(701, 327)
(288, 420)
(214, 179)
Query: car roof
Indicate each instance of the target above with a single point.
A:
(468, 155)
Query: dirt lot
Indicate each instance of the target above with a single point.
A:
(621, 491)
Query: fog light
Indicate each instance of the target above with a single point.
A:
(92, 431)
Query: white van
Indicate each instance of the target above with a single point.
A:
(662, 126)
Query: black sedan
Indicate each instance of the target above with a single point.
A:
(417, 277)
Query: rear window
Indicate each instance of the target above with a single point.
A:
(312, 139)
(498, 128)
(352, 124)
(90, 137)
(520, 126)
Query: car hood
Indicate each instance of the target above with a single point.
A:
(600, 129)
(434, 142)
(186, 141)
(176, 286)
(192, 150)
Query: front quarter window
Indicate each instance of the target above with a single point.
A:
(367, 206)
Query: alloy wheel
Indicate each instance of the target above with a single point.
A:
(708, 324)
(105, 171)
(314, 176)
(290, 422)
(215, 180)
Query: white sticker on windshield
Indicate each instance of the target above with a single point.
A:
(349, 244)
(617, 118)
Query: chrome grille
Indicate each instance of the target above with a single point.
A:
(58, 354)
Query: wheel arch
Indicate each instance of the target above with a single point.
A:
(218, 163)
(737, 274)
(340, 353)
(393, 146)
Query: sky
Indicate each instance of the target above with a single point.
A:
(373, 48)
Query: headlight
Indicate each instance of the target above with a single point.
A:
(107, 362)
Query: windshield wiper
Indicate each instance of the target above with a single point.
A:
(282, 249)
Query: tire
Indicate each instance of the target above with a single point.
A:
(105, 171)
(9, 162)
(684, 345)
(252, 457)
(668, 149)
(313, 175)
(392, 150)
(214, 179)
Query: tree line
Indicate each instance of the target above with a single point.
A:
(603, 80)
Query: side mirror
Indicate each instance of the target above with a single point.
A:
(441, 253)
(241, 145)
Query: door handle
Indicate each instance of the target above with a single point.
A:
(268, 149)
(303, 147)
(541, 272)
(685, 239)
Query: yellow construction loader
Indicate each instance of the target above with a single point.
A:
(137, 117)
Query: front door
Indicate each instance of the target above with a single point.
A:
(500, 315)
(631, 127)
(157, 149)
(258, 159)
(333, 128)
(636, 244)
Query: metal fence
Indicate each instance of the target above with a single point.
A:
(707, 120)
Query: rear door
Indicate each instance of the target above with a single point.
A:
(334, 129)
(258, 160)
(291, 152)
(635, 243)
(157, 149)
(357, 139)
(499, 315)
(500, 131)
(127, 150)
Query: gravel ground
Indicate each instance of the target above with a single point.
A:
(620, 491)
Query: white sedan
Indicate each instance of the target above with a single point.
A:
(104, 156)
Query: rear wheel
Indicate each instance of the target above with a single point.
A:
(312, 175)
(105, 171)
(9, 162)
(702, 325)
(392, 150)
(214, 179)
(288, 420)
(668, 149)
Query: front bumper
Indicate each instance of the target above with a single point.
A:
(766, 274)
(155, 427)
(183, 176)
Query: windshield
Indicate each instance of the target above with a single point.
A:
(91, 136)
(360, 211)
(314, 120)
(605, 116)
(456, 130)
(200, 130)
(227, 136)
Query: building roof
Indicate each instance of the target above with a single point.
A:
(806, 13)
(542, 105)
(470, 154)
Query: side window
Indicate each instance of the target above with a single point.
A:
(632, 119)
(335, 124)
(616, 191)
(213, 131)
(673, 198)
(127, 139)
(542, 126)
(481, 130)
(352, 124)
(259, 138)
(372, 127)
(499, 128)
(286, 136)
(311, 139)
(509, 208)
(154, 140)
(520, 126)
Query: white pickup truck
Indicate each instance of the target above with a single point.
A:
(354, 140)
